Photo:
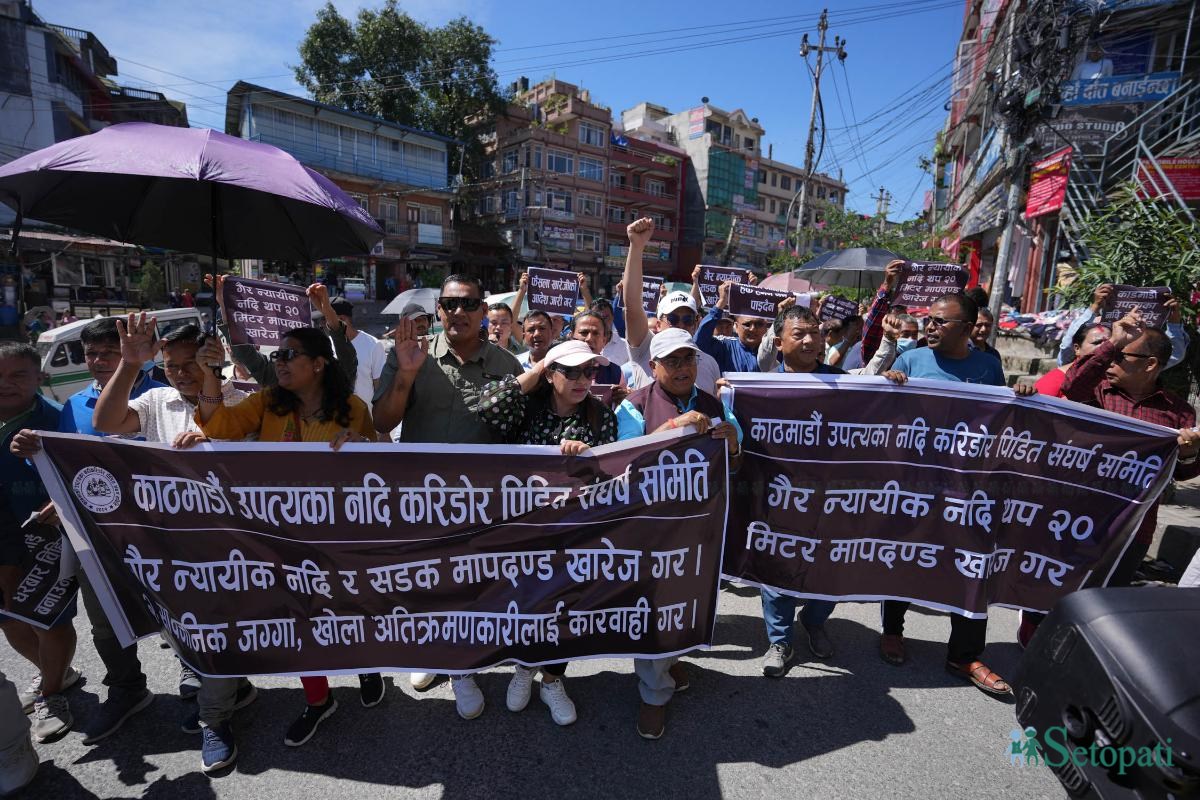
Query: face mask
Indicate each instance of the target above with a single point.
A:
(904, 345)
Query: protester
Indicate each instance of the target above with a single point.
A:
(982, 331)
(167, 415)
(18, 760)
(863, 350)
(617, 349)
(671, 402)
(500, 328)
(1100, 299)
(732, 354)
(260, 367)
(851, 329)
(675, 310)
(550, 404)
(1083, 343)
(124, 677)
(948, 357)
(311, 402)
(1122, 376)
(590, 328)
(434, 388)
(537, 337)
(23, 495)
(367, 350)
(833, 332)
(422, 320)
(798, 338)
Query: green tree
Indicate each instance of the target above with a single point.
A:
(390, 65)
(848, 229)
(152, 284)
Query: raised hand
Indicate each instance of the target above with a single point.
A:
(137, 339)
(410, 351)
(211, 354)
(891, 274)
(523, 284)
(723, 294)
(217, 284)
(786, 303)
(751, 278)
(639, 231)
(1101, 296)
(1127, 328)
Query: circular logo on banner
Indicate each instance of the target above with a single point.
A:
(97, 489)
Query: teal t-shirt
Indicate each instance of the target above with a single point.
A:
(977, 367)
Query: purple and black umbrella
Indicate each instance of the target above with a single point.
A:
(188, 189)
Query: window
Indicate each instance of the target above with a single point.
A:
(558, 161)
(591, 168)
(660, 222)
(773, 207)
(785, 182)
(833, 197)
(655, 188)
(762, 203)
(361, 199)
(762, 176)
(616, 178)
(426, 215)
(389, 210)
(587, 241)
(592, 134)
(748, 143)
(589, 205)
(509, 162)
(616, 214)
(558, 200)
(487, 204)
(774, 175)
(488, 169)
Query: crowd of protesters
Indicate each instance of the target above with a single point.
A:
(516, 381)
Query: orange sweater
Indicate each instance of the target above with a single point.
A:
(253, 416)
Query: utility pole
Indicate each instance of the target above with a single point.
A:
(1012, 158)
(883, 201)
(727, 251)
(839, 49)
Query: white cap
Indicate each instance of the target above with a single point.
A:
(676, 300)
(666, 342)
(573, 354)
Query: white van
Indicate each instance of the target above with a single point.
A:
(63, 368)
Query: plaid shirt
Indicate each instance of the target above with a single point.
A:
(873, 325)
(1085, 383)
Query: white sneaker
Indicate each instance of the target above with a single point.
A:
(554, 695)
(18, 765)
(421, 680)
(520, 688)
(467, 697)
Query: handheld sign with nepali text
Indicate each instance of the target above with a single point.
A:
(923, 283)
(1150, 300)
(754, 301)
(554, 291)
(651, 286)
(711, 279)
(261, 313)
(838, 308)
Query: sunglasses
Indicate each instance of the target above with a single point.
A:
(575, 373)
(452, 304)
(286, 354)
(675, 362)
(681, 320)
(941, 322)
(1121, 355)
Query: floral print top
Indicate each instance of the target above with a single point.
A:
(520, 420)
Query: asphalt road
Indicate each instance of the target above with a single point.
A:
(851, 728)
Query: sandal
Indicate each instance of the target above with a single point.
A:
(979, 674)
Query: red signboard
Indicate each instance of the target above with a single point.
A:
(1048, 184)
(1183, 173)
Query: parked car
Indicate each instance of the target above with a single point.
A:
(63, 369)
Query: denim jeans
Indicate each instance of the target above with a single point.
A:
(779, 612)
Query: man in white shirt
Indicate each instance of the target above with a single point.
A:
(167, 415)
(676, 310)
(371, 355)
(1094, 65)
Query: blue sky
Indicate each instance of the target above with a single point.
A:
(741, 54)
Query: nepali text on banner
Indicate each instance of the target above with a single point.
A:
(950, 495)
(477, 556)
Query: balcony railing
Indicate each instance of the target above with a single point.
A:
(316, 156)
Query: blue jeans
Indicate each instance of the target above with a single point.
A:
(779, 611)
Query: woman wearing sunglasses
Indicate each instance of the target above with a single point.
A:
(550, 404)
(313, 401)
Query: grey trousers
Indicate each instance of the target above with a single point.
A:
(655, 683)
(122, 668)
(216, 699)
(14, 725)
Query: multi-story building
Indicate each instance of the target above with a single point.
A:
(1120, 91)
(561, 187)
(729, 181)
(56, 83)
(398, 174)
